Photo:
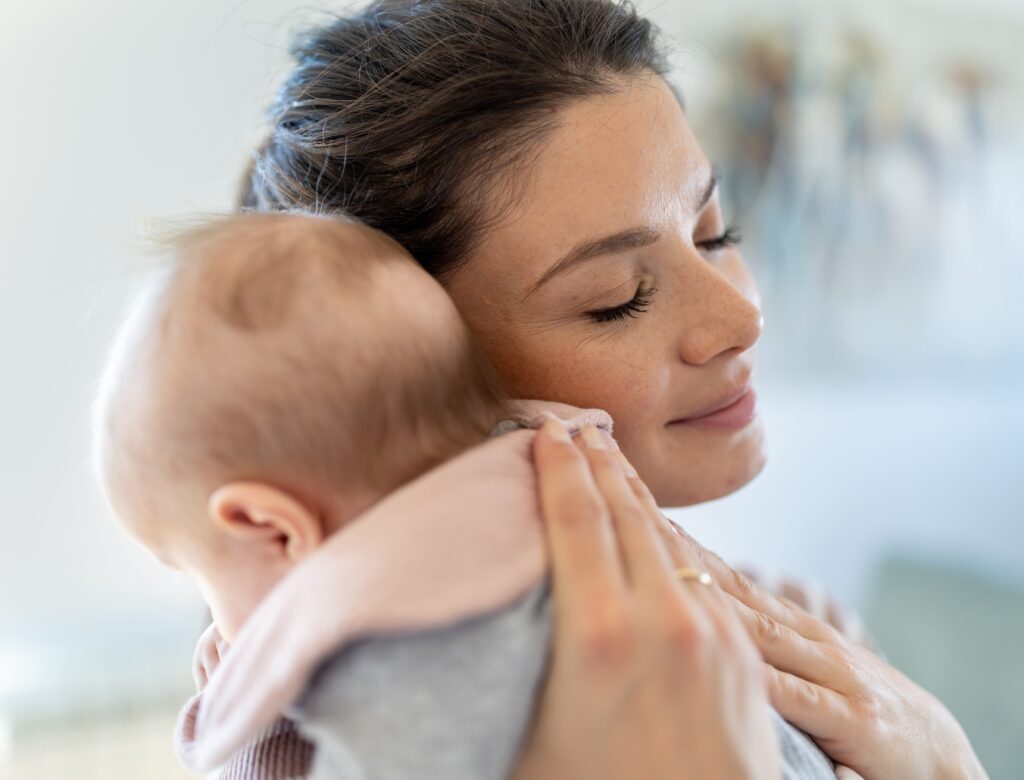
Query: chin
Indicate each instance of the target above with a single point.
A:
(712, 468)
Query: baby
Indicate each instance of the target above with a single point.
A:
(283, 374)
(295, 399)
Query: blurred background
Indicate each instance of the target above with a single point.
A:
(872, 154)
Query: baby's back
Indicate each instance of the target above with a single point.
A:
(452, 703)
(455, 703)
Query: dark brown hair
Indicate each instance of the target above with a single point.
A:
(406, 114)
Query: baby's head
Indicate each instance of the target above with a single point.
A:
(283, 373)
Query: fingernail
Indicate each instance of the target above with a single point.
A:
(592, 438)
(556, 431)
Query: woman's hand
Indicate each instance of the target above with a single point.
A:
(860, 710)
(650, 677)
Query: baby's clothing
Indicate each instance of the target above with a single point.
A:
(427, 642)
(454, 703)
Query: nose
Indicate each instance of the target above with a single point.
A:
(722, 313)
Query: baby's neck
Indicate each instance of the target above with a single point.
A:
(348, 504)
(345, 506)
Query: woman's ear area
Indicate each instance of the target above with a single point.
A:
(259, 513)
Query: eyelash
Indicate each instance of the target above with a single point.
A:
(644, 295)
(632, 308)
(731, 237)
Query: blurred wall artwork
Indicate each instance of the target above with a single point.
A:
(880, 181)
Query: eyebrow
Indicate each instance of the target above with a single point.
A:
(632, 238)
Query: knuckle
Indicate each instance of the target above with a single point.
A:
(806, 695)
(581, 510)
(768, 630)
(681, 631)
(607, 641)
(743, 585)
(869, 711)
(630, 515)
(590, 507)
(839, 655)
(830, 633)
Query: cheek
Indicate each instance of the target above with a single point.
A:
(620, 373)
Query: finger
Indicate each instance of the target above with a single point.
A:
(681, 556)
(686, 552)
(821, 712)
(716, 602)
(770, 628)
(802, 596)
(789, 651)
(646, 560)
(586, 566)
(711, 598)
(748, 592)
(814, 599)
(766, 614)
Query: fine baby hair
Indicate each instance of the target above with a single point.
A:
(307, 351)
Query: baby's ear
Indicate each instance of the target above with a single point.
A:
(261, 514)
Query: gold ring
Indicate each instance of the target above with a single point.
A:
(693, 574)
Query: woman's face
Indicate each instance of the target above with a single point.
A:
(612, 283)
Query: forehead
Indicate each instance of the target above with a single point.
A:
(614, 162)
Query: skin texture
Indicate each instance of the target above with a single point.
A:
(616, 162)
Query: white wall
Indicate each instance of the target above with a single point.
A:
(117, 112)
(114, 113)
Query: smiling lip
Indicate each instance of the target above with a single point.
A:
(734, 411)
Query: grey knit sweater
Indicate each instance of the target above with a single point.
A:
(454, 703)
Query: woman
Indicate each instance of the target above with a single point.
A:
(532, 156)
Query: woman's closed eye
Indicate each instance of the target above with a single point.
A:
(644, 294)
(730, 237)
(634, 307)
